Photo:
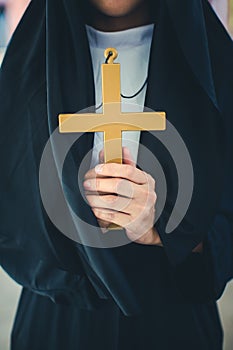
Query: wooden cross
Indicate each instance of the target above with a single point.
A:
(112, 121)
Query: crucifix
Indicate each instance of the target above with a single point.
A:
(112, 121)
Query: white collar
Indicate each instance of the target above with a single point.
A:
(126, 38)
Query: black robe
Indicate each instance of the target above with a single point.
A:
(79, 297)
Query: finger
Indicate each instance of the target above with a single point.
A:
(123, 220)
(127, 157)
(91, 174)
(101, 156)
(124, 171)
(113, 185)
(103, 225)
(113, 217)
(112, 202)
(136, 207)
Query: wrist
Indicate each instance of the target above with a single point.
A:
(156, 237)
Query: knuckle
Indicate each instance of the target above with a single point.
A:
(144, 193)
(108, 167)
(111, 168)
(139, 210)
(153, 196)
(145, 177)
(110, 199)
(129, 170)
(98, 184)
(118, 184)
(139, 206)
(110, 216)
(152, 182)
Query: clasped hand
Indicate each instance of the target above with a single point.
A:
(123, 195)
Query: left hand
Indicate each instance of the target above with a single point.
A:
(124, 195)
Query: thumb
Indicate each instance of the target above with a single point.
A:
(127, 157)
(101, 156)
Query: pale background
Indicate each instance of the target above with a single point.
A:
(9, 290)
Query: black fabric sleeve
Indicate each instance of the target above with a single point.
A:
(203, 276)
(45, 277)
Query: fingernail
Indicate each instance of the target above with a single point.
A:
(104, 230)
(99, 168)
(87, 184)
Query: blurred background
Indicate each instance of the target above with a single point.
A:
(10, 14)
